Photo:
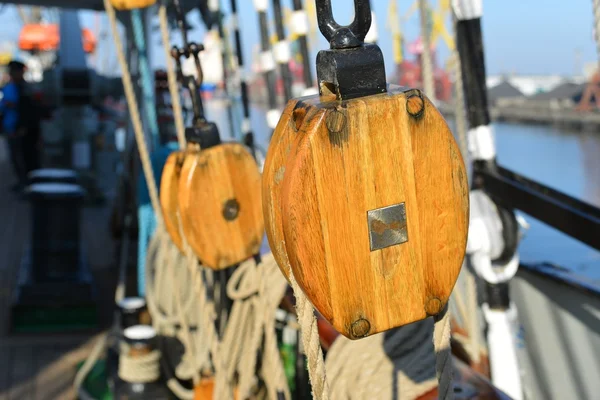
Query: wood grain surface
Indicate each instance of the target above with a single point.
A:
(169, 196)
(293, 117)
(352, 157)
(211, 179)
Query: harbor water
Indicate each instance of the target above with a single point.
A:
(566, 161)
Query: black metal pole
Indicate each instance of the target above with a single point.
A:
(469, 42)
(300, 27)
(225, 74)
(267, 63)
(246, 125)
(282, 51)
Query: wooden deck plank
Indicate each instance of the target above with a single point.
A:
(4, 373)
(55, 375)
(22, 373)
(43, 366)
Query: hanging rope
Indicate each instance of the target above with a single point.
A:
(173, 86)
(426, 63)
(246, 125)
(443, 360)
(299, 27)
(267, 63)
(134, 111)
(311, 342)
(597, 26)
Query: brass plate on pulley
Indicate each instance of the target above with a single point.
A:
(371, 207)
(220, 205)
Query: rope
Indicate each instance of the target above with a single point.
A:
(427, 65)
(172, 78)
(170, 315)
(398, 364)
(135, 114)
(597, 26)
(139, 369)
(395, 364)
(443, 360)
(311, 342)
(145, 75)
(459, 108)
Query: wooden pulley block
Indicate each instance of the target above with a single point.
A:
(219, 198)
(365, 192)
(370, 208)
(169, 196)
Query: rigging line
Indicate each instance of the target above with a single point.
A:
(224, 59)
(145, 75)
(246, 124)
(171, 75)
(282, 51)
(300, 27)
(135, 114)
(427, 65)
(267, 63)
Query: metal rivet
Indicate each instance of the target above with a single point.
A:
(231, 209)
(336, 124)
(415, 104)
(433, 306)
(336, 121)
(360, 328)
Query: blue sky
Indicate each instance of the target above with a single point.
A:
(524, 37)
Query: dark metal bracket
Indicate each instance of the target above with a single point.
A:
(569, 215)
(351, 68)
(201, 132)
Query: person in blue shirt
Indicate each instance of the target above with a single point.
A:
(10, 117)
(20, 123)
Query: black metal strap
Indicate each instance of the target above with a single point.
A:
(343, 37)
(574, 217)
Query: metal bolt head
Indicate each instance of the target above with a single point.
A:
(415, 104)
(433, 306)
(231, 209)
(360, 328)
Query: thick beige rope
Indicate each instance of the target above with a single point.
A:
(311, 342)
(140, 369)
(398, 364)
(443, 361)
(134, 112)
(427, 64)
(173, 87)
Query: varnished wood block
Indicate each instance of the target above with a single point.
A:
(169, 187)
(220, 205)
(292, 118)
(374, 210)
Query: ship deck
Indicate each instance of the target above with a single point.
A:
(42, 366)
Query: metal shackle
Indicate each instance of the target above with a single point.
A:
(343, 37)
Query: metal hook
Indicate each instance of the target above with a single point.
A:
(343, 37)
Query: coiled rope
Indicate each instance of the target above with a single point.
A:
(139, 369)
(253, 310)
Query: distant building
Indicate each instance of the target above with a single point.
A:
(502, 91)
(531, 85)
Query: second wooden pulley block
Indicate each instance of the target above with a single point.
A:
(365, 197)
(169, 195)
(219, 202)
